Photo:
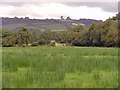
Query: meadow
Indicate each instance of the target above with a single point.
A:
(38, 26)
(59, 67)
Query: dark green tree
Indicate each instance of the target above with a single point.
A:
(23, 37)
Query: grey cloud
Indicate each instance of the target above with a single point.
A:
(119, 6)
(106, 6)
(18, 4)
(12, 3)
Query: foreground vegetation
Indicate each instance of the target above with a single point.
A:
(60, 67)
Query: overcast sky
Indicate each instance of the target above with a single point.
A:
(54, 9)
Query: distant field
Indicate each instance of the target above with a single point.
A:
(60, 67)
(54, 27)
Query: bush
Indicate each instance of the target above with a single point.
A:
(52, 43)
(35, 44)
(43, 42)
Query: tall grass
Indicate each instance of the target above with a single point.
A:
(60, 67)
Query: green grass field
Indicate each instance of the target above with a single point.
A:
(53, 27)
(60, 67)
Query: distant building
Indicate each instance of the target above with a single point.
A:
(76, 24)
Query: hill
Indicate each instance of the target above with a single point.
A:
(38, 25)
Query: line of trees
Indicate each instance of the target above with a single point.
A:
(101, 34)
(25, 38)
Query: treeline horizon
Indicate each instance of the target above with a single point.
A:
(100, 34)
